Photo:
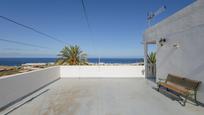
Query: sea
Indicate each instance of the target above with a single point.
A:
(20, 61)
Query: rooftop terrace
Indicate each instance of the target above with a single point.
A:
(87, 90)
(102, 97)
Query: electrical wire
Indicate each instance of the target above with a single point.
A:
(23, 43)
(85, 14)
(89, 26)
(33, 29)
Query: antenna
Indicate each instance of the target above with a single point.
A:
(151, 15)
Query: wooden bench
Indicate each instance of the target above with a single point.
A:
(181, 86)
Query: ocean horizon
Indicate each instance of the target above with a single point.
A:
(20, 61)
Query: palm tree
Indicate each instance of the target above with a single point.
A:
(152, 63)
(152, 58)
(72, 55)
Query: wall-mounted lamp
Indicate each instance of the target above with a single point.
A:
(162, 41)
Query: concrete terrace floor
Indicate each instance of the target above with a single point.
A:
(103, 97)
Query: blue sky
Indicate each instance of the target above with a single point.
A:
(116, 25)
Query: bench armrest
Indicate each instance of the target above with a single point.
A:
(160, 80)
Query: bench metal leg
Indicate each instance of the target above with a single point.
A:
(195, 98)
(184, 102)
(158, 87)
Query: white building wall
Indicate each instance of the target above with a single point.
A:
(16, 86)
(186, 29)
(102, 71)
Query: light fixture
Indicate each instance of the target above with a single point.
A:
(162, 41)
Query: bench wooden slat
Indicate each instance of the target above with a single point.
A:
(182, 91)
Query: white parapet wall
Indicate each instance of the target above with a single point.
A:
(14, 87)
(122, 71)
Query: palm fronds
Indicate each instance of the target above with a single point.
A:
(72, 55)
